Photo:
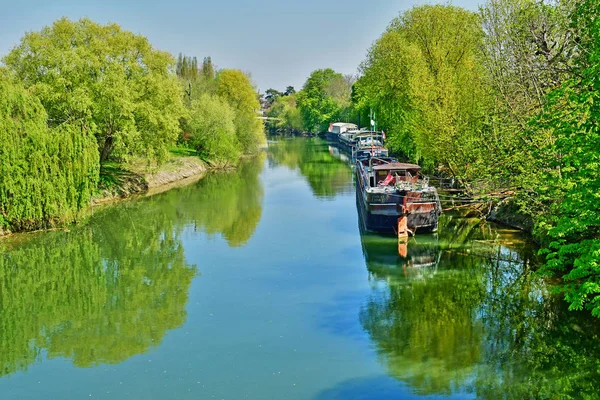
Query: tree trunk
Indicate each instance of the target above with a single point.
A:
(107, 148)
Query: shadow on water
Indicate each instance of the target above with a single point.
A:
(326, 174)
(112, 287)
(463, 312)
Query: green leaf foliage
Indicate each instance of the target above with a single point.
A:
(288, 118)
(572, 228)
(423, 78)
(112, 80)
(235, 88)
(322, 98)
(47, 174)
(212, 129)
(507, 101)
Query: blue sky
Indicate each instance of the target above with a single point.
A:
(279, 42)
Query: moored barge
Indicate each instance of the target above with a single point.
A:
(369, 144)
(395, 197)
(338, 128)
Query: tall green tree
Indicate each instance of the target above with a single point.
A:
(528, 51)
(317, 102)
(235, 87)
(208, 69)
(287, 118)
(111, 80)
(187, 68)
(572, 225)
(212, 129)
(289, 91)
(423, 78)
(271, 95)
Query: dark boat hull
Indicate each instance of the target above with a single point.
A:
(388, 224)
(333, 137)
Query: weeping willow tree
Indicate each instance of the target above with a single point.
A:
(110, 78)
(47, 173)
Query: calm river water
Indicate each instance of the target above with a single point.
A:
(259, 284)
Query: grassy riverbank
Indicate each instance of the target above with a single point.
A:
(139, 176)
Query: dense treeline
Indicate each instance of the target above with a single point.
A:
(106, 78)
(503, 100)
(282, 108)
(325, 97)
(78, 95)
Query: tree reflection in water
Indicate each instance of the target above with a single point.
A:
(112, 287)
(227, 203)
(327, 175)
(464, 312)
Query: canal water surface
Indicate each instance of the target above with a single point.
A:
(260, 284)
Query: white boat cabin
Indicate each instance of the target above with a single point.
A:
(341, 127)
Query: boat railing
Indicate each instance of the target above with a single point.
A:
(400, 198)
(377, 161)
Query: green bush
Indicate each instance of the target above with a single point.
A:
(212, 129)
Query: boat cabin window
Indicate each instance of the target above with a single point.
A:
(381, 175)
(370, 142)
(401, 175)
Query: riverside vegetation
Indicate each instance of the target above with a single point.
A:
(79, 101)
(504, 100)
